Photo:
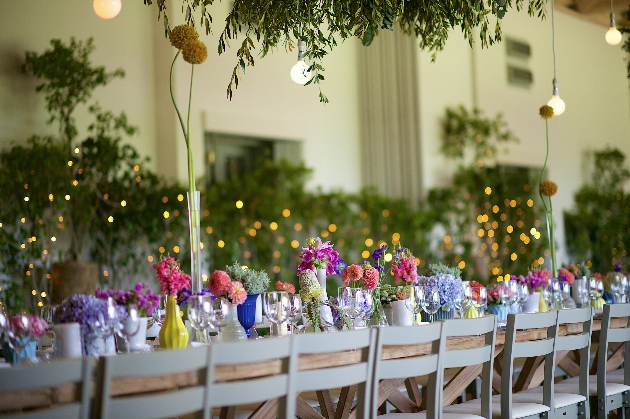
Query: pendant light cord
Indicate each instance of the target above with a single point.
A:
(553, 39)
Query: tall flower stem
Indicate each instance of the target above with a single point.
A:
(549, 210)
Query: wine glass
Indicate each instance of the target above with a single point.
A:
(368, 309)
(459, 299)
(523, 295)
(295, 311)
(19, 334)
(200, 313)
(351, 302)
(483, 301)
(565, 292)
(431, 303)
(129, 326)
(159, 314)
(415, 300)
(103, 323)
(220, 315)
(277, 307)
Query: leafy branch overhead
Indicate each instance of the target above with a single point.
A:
(324, 23)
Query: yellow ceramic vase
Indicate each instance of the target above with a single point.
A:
(542, 304)
(173, 334)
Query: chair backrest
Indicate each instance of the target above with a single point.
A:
(427, 364)
(272, 383)
(580, 341)
(513, 349)
(76, 371)
(150, 369)
(355, 358)
(613, 335)
(486, 328)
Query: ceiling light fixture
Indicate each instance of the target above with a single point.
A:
(613, 36)
(555, 102)
(299, 72)
(107, 9)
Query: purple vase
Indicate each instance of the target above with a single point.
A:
(247, 312)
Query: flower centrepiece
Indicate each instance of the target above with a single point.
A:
(141, 296)
(318, 255)
(221, 285)
(170, 276)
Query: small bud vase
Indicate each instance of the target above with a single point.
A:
(234, 331)
(173, 334)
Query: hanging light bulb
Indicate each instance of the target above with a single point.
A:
(107, 9)
(555, 102)
(299, 72)
(613, 36)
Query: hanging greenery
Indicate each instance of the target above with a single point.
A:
(598, 228)
(322, 24)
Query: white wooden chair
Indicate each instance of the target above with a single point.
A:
(353, 377)
(573, 405)
(504, 407)
(148, 367)
(397, 368)
(605, 394)
(71, 371)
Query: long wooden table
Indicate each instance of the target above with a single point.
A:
(531, 376)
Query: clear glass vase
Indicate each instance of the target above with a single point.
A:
(194, 223)
(234, 331)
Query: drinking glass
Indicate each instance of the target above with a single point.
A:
(368, 309)
(483, 301)
(277, 307)
(351, 302)
(459, 299)
(431, 303)
(565, 292)
(295, 311)
(583, 295)
(595, 287)
(415, 300)
(200, 313)
(129, 326)
(220, 316)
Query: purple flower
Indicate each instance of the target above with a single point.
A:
(318, 255)
(341, 266)
(378, 254)
(449, 287)
(618, 266)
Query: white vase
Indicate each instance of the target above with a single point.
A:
(324, 311)
(95, 346)
(234, 331)
(137, 342)
(531, 306)
(400, 315)
(67, 343)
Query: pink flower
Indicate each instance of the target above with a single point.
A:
(353, 273)
(20, 324)
(237, 293)
(566, 276)
(39, 326)
(285, 286)
(171, 278)
(219, 283)
(406, 269)
(370, 278)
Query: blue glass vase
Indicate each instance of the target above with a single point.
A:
(11, 355)
(500, 311)
(247, 312)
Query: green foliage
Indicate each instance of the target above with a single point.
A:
(598, 227)
(440, 268)
(323, 24)
(254, 281)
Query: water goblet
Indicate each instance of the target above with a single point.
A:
(19, 334)
(277, 307)
(129, 326)
(200, 313)
(295, 311)
(523, 296)
(367, 311)
(431, 303)
(415, 300)
(483, 301)
(220, 315)
(351, 302)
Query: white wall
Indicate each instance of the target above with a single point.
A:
(125, 41)
(593, 85)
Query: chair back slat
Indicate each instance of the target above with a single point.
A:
(473, 356)
(618, 335)
(535, 320)
(163, 405)
(575, 315)
(532, 348)
(618, 310)
(409, 367)
(573, 342)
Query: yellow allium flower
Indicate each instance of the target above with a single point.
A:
(181, 34)
(548, 188)
(195, 52)
(546, 112)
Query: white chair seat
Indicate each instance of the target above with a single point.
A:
(519, 410)
(572, 386)
(560, 399)
(423, 415)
